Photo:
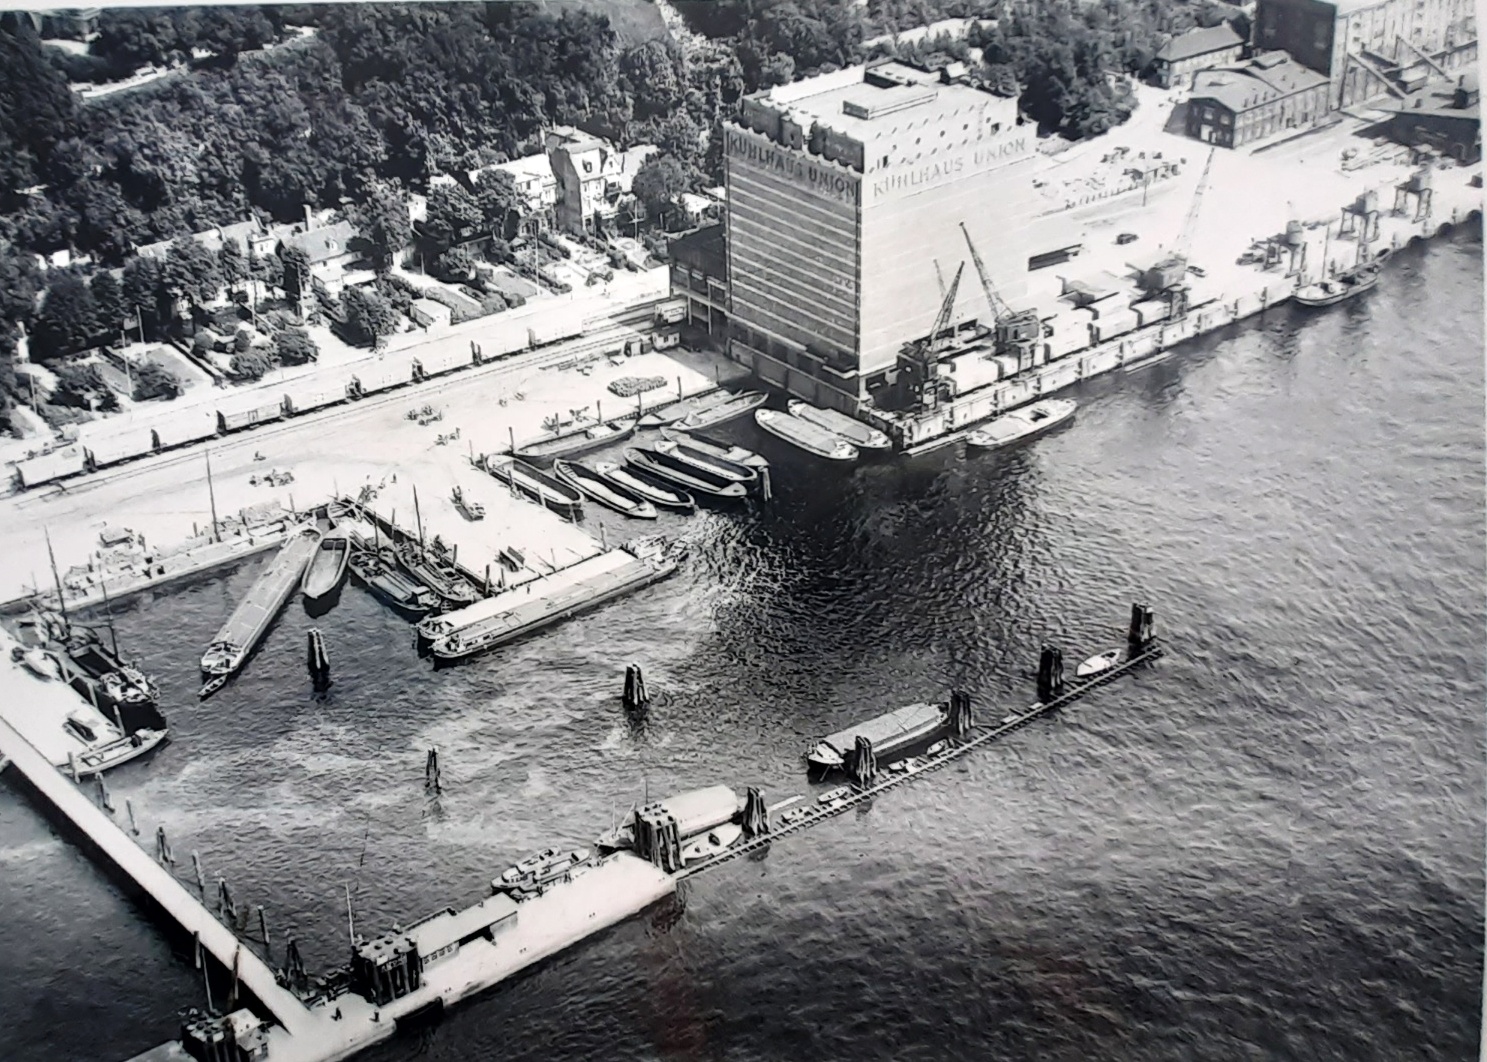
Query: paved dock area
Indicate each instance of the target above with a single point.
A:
(38, 710)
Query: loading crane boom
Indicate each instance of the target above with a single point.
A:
(940, 279)
(1190, 223)
(1015, 332)
(942, 319)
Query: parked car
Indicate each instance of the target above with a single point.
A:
(1125, 238)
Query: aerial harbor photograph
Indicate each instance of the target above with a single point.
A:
(742, 530)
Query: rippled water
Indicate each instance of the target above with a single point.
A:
(1268, 845)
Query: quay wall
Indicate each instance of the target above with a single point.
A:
(1253, 294)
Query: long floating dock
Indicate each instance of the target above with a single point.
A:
(984, 735)
(152, 878)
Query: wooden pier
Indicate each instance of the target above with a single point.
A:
(981, 735)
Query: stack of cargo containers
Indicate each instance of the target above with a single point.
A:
(1065, 332)
(1151, 311)
(1117, 322)
(970, 370)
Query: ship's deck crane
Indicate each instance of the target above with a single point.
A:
(1015, 331)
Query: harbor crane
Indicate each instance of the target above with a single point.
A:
(921, 359)
(1168, 276)
(1015, 331)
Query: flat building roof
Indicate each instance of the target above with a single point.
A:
(862, 101)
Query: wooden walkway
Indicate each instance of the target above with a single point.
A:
(185, 909)
(980, 735)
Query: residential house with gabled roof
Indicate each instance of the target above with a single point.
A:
(593, 178)
(1180, 59)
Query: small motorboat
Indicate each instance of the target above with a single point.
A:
(686, 476)
(1098, 664)
(1022, 424)
(327, 566)
(1343, 286)
(652, 488)
(794, 815)
(598, 488)
(834, 796)
(716, 840)
(716, 448)
(734, 406)
(715, 467)
(935, 749)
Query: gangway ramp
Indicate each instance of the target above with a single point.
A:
(172, 897)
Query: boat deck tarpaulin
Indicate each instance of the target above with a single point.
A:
(562, 579)
(268, 592)
(52, 466)
(884, 728)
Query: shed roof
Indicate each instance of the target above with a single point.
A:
(1264, 79)
(450, 927)
(324, 243)
(1198, 42)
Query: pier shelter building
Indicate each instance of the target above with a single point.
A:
(846, 193)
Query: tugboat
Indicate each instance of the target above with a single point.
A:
(470, 510)
(1341, 286)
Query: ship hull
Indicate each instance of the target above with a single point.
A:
(1014, 427)
(714, 467)
(713, 448)
(805, 436)
(604, 492)
(659, 492)
(723, 412)
(327, 568)
(546, 451)
(892, 734)
(266, 599)
(538, 486)
(682, 475)
(863, 436)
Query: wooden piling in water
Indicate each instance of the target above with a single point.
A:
(133, 826)
(635, 697)
(431, 780)
(201, 881)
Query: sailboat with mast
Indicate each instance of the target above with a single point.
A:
(1337, 285)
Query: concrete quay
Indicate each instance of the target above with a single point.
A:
(1227, 294)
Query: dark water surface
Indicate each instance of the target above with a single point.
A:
(1269, 845)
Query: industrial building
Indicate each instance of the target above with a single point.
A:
(1445, 117)
(1272, 93)
(699, 275)
(1366, 48)
(846, 196)
(1183, 56)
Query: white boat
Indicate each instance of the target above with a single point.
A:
(711, 843)
(1098, 664)
(36, 661)
(833, 796)
(935, 749)
(714, 448)
(100, 758)
(1022, 423)
(890, 734)
(806, 436)
(863, 436)
(794, 815)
